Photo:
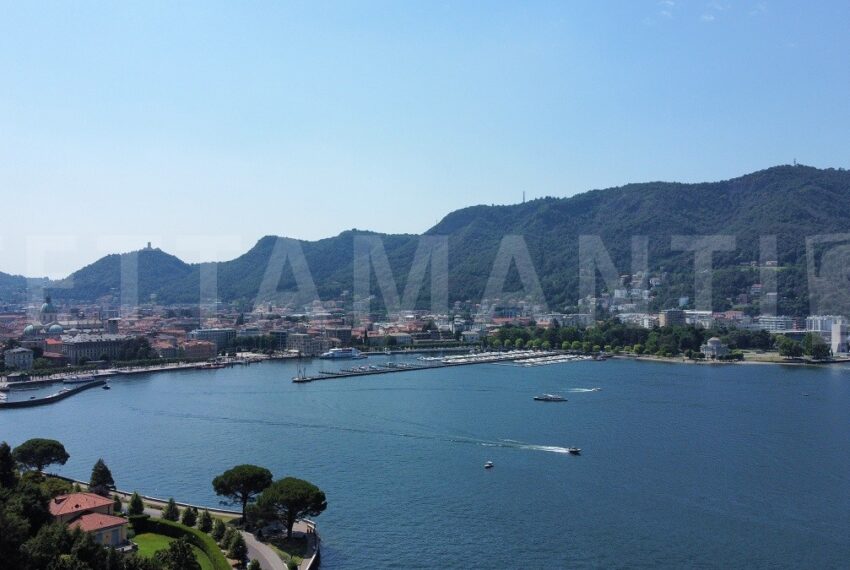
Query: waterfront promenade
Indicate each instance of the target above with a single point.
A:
(244, 358)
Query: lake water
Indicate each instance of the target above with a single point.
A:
(683, 465)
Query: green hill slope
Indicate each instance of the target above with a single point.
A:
(790, 202)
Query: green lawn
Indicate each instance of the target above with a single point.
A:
(150, 543)
(296, 548)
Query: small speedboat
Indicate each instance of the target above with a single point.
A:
(574, 450)
(106, 387)
(550, 398)
(488, 465)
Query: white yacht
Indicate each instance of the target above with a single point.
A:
(343, 354)
(80, 379)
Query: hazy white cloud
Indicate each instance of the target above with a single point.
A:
(759, 8)
(666, 8)
(712, 10)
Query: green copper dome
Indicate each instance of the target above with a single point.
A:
(47, 308)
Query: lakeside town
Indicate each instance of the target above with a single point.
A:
(44, 339)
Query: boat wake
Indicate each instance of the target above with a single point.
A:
(533, 447)
(502, 443)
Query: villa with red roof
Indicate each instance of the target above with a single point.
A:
(93, 514)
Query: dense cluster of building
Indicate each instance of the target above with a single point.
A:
(90, 334)
(45, 337)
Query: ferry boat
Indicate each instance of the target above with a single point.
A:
(79, 379)
(550, 398)
(342, 354)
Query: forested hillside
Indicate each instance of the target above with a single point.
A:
(790, 202)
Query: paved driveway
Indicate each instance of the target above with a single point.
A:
(267, 557)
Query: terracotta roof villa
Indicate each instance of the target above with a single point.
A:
(93, 522)
(93, 514)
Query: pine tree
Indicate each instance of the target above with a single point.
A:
(8, 467)
(229, 536)
(101, 479)
(205, 522)
(238, 550)
(218, 530)
(171, 512)
(137, 507)
(190, 516)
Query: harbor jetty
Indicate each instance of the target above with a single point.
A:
(526, 357)
(52, 398)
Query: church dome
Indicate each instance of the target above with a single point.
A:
(47, 308)
(29, 330)
(55, 329)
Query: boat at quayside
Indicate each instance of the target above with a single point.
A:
(343, 354)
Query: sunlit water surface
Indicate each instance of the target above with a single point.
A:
(683, 465)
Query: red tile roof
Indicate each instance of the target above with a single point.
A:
(90, 522)
(76, 502)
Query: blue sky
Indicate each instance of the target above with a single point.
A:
(202, 126)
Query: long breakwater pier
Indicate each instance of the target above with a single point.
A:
(519, 357)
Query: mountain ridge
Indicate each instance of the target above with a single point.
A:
(787, 201)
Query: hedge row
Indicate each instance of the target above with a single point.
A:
(200, 539)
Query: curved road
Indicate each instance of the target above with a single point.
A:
(268, 558)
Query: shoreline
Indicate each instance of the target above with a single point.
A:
(6, 385)
(685, 360)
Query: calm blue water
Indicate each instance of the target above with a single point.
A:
(683, 466)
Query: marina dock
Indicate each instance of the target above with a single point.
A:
(431, 363)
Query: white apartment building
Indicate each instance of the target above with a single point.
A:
(775, 323)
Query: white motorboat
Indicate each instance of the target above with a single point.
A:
(550, 398)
